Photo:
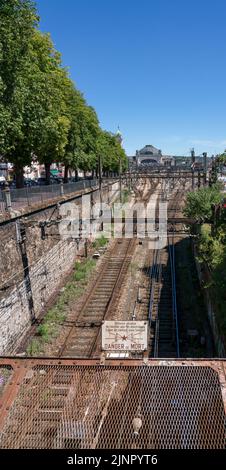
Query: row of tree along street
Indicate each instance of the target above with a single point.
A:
(43, 115)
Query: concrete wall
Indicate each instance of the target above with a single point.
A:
(49, 261)
(45, 277)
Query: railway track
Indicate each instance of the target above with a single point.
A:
(83, 339)
(84, 332)
(163, 315)
(164, 312)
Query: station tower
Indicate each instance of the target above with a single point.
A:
(119, 136)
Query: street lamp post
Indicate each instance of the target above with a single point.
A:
(120, 178)
(119, 139)
(100, 189)
(205, 166)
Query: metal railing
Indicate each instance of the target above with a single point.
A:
(29, 196)
(2, 203)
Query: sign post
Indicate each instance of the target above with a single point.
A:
(124, 336)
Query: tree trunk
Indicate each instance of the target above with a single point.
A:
(92, 174)
(47, 169)
(66, 169)
(19, 173)
(84, 174)
(76, 174)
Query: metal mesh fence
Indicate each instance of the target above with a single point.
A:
(107, 407)
(72, 187)
(29, 196)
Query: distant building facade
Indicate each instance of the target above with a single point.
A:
(151, 156)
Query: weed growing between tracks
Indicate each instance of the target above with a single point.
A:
(100, 242)
(54, 318)
(125, 197)
(126, 193)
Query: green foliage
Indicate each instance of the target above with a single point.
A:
(49, 328)
(17, 25)
(55, 314)
(85, 268)
(80, 149)
(125, 196)
(222, 158)
(42, 114)
(211, 245)
(79, 275)
(50, 84)
(199, 204)
(212, 250)
(100, 242)
(45, 330)
(111, 152)
(34, 348)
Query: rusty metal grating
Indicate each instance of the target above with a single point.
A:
(94, 406)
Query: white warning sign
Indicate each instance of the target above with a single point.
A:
(124, 335)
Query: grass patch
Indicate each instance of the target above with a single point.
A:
(79, 275)
(49, 328)
(34, 348)
(100, 242)
(125, 197)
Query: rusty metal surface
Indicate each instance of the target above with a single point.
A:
(83, 404)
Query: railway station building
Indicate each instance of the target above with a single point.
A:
(151, 156)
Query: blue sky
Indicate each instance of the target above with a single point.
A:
(156, 68)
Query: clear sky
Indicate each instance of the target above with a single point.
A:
(156, 68)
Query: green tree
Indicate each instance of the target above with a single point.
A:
(222, 158)
(42, 114)
(199, 204)
(18, 20)
(49, 87)
(111, 153)
(32, 91)
(89, 131)
(81, 148)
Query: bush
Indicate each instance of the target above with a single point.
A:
(199, 203)
(100, 242)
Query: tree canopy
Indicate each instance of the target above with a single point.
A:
(42, 113)
(199, 203)
(221, 159)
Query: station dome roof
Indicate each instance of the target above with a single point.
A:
(149, 149)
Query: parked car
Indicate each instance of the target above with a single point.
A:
(12, 184)
(56, 180)
(29, 182)
(41, 181)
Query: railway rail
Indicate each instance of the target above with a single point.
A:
(163, 315)
(84, 336)
(84, 333)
